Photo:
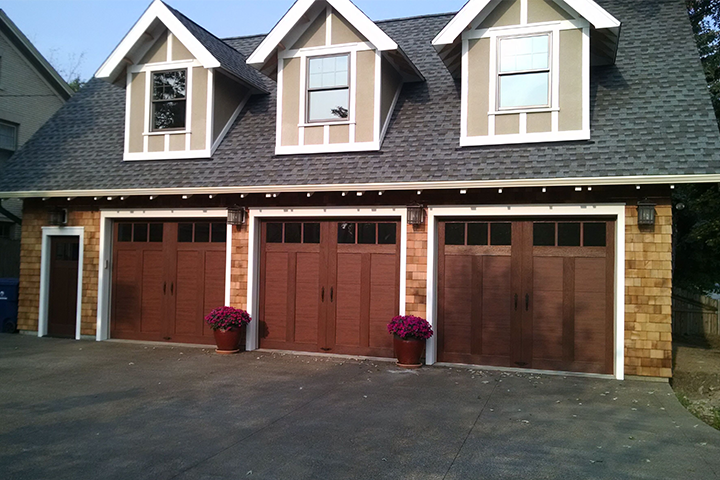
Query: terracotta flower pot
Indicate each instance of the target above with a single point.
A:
(408, 352)
(229, 341)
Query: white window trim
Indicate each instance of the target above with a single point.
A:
(257, 214)
(352, 146)
(45, 265)
(555, 135)
(16, 129)
(106, 243)
(615, 210)
(552, 73)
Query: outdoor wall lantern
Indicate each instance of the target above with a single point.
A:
(646, 213)
(58, 217)
(236, 215)
(415, 215)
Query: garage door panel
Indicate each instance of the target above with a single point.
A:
(214, 285)
(275, 296)
(383, 270)
(456, 338)
(151, 284)
(590, 275)
(307, 298)
(548, 274)
(188, 293)
(548, 326)
(348, 299)
(457, 271)
(126, 292)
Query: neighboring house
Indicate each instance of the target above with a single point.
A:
(31, 91)
(505, 172)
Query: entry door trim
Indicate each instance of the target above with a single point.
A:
(45, 260)
(106, 253)
(257, 214)
(435, 213)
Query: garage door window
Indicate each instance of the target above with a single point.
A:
(478, 233)
(202, 232)
(140, 232)
(292, 232)
(367, 233)
(569, 234)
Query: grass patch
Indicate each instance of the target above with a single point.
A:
(684, 400)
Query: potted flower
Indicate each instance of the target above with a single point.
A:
(409, 336)
(228, 325)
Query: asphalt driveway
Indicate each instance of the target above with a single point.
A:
(126, 411)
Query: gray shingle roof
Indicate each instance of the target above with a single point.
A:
(651, 115)
(230, 59)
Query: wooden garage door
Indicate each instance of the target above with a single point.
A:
(166, 277)
(529, 294)
(329, 286)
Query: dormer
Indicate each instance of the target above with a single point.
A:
(338, 75)
(184, 87)
(524, 67)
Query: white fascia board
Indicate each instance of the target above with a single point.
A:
(347, 9)
(365, 187)
(158, 10)
(588, 9)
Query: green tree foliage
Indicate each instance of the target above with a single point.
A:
(697, 207)
(705, 18)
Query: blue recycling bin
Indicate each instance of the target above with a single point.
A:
(8, 304)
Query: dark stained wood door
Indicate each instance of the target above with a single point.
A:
(529, 294)
(329, 286)
(63, 286)
(166, 277)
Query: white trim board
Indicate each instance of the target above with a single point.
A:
(156, 11)
(588, 9)
(255, 215)
(106, 241)
(614, 210)
(370, 187)
(293, 17)
(45, 261)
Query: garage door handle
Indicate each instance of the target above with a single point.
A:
(527, 302)
(331, 294)
(164, 287)
(516, 301)
(172, 288)
(322, 294)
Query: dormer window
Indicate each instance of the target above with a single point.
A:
(169, 98)
(524, 72)
(328, 96)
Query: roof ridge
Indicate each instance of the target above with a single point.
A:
(388, 20)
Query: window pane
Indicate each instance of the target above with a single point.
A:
(311, 233)
(524, 90)
(274, 233)
(525, 53)
(202, 232)
(185, 232)
(346, 233)
(387, 233)
(501, 234)
(156, 232)
(140, 232)
(125, 232)
(7, 137)
(169, 85)
(366, 233)
(168, 115)
(293, 232)
(569, 234)
(454, 234)
(219, 232)
(328, 105)
(477, 234)
(595, 234)
(328, 72)
(544, 234)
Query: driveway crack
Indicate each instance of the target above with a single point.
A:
(471, 429)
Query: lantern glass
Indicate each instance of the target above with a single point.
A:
(416, 215)
(58, 217)
(236, 216)
(646, 213)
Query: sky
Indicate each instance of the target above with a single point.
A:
(78, 35)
